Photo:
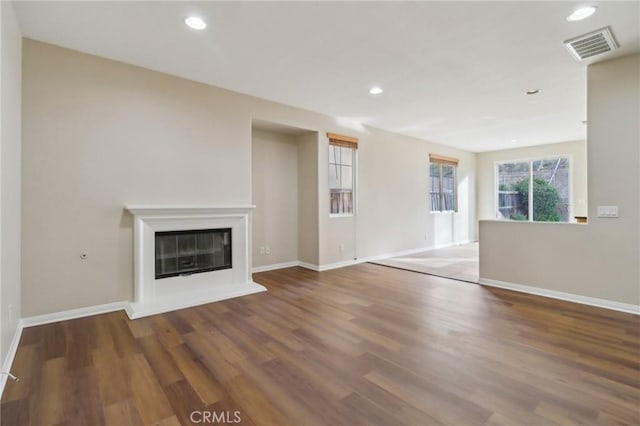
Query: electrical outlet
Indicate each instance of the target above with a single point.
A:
(262, 251)
(341, 247)
(607, 211)
(267, 250)
(10, 311)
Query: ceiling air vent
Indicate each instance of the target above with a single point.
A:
(591, 44)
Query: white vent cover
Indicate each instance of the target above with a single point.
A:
(591, 44)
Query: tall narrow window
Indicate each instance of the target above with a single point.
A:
(444, 196)
(513, 187)
(342, 156)
(534, 190)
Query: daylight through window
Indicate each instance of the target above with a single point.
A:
(442, 171)
(534, 190)
(342, 155)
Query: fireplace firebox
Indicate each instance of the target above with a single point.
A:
(191, 252)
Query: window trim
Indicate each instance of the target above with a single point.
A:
(442, 162)
(350, 143)
(530, 160)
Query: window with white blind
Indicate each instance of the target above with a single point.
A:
(442, 173)
(342, 161)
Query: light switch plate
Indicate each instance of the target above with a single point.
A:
(607, 211)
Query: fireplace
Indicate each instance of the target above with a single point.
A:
(192, 251)
(189, 255)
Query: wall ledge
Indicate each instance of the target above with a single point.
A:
(569, 297)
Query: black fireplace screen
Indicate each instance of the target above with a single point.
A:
(192, 252)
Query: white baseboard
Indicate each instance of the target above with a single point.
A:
(73, 313)
(293, 264)
(11, 354)
(413, 251)
(343, 263)
(275, 266)
(311, 266)
(570, 297)
(337, 265)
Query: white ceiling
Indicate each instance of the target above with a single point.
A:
(452, 72)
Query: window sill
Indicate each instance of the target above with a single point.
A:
(526, 222)
(332, 215)
(534, 221)
(443, 212)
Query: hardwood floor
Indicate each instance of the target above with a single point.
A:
(361, 345)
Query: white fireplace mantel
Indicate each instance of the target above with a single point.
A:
(187, 210)
(153, 296)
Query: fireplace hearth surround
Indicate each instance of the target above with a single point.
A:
(226, 275)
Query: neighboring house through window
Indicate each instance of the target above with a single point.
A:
(342, 163)
(444, 194)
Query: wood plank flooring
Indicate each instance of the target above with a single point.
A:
(363, 345)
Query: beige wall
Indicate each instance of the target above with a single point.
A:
(100, 134)
(599, 259)
(275, 195)
(308, 198)
(10, 154)
(486, 161)
(393, 196)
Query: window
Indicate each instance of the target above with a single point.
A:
(342, 156)
(534, 190)
(512, 178)
(442, 171)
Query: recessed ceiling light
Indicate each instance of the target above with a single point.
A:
(582, 13)
(532, 92)
(195, 22)
(375, 90)
(514, 140)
